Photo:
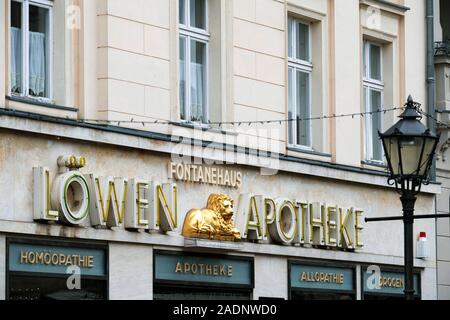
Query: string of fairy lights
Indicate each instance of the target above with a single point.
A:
(441, 124)
(250, 123)
(244, 123)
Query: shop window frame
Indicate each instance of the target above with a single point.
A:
(319, 264)
(384, 268)
(54, 243)
(204, 285)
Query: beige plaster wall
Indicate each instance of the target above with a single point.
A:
(128, 66)
(130, 279)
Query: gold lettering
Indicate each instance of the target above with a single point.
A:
(178, 268)
(32, 258)
(216, 270)
(391, 282)
(358, 228)
(208, 269)
(47, 258)
(383, 282)
(194, 268)
(344, 234)
(388, 282)
(222, 270)
(322, 277)
(317, 277)
(230, 271)
(304, 277)
(341, 279)
(82, 261)
(90, 262)
(202, 267)
(187, 267)
(49, 213)
(69, 261)
(23, 257)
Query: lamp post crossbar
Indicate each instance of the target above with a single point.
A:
(416, 217)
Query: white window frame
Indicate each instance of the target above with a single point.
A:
(46, 4)
(304, 66)
(369, 85)
(189, 33)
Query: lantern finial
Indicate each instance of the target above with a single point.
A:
(410, 99)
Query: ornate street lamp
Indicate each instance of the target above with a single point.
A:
(409, 148)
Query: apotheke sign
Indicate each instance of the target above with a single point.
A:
(140, 204)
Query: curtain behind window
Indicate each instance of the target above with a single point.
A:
(37, 64)
(16, 60)
(197, 92)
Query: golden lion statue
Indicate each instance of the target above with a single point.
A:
(215, 222)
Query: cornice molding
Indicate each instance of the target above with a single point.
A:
(387, 6)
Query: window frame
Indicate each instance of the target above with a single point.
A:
(190, 33)
(369, 85)
(25, 15)
(299, 65)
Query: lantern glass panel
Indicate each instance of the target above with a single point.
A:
(411, 149)
(427, 155)
(391, 149)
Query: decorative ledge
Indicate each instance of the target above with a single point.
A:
(37, 102)
(387, 6)
(213, 244)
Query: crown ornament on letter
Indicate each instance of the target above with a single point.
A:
(71, 163)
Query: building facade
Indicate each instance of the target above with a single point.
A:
(442, 66)
(117, 120)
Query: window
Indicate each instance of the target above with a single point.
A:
(193, 77)
(373, 86)
(300, 73)
(30, 48)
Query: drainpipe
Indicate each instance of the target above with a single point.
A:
(431, 100)
(431, 95)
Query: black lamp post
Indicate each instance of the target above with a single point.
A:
(409, 148)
